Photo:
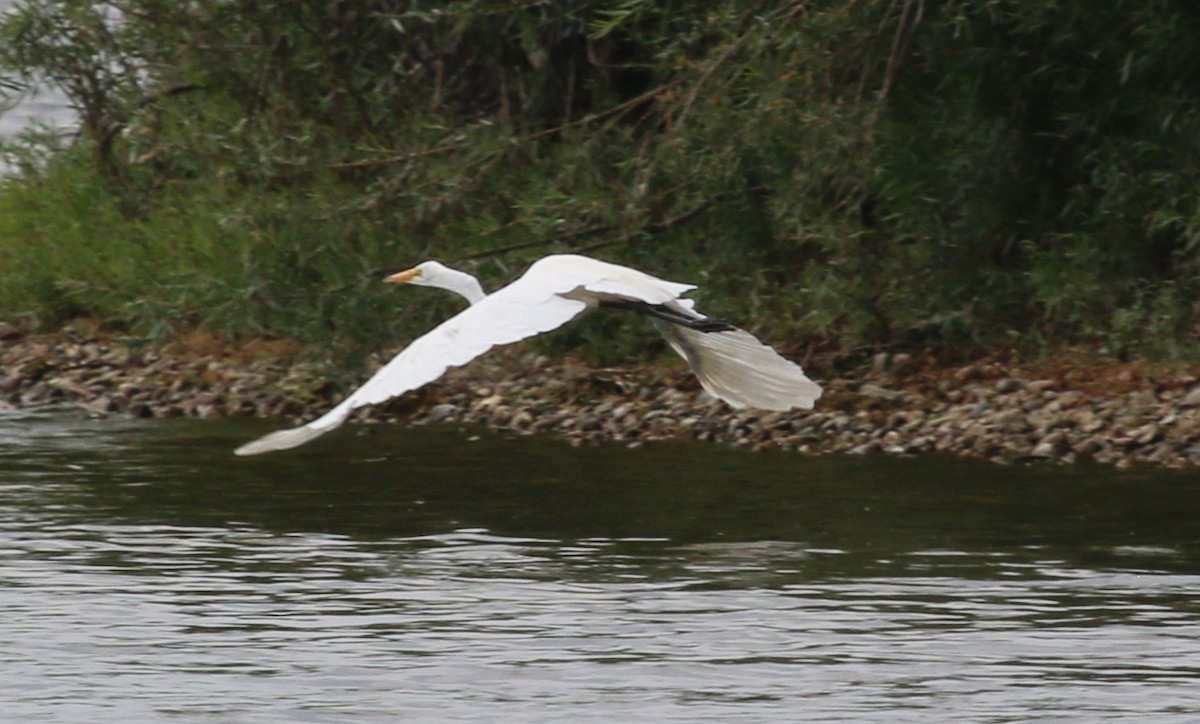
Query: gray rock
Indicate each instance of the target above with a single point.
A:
(439, 413)
(876, 392)
(1041, 386)
(1010, 384)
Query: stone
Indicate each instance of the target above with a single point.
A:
(1192, 398)
(1067, 399)
(1040, 386)
(877, 392)
(9, 331)
(1146, 434)
(1139, 403)
(440, 412)
(1009, 385)
(1051, 446)
(1013, 421)
(902, 361)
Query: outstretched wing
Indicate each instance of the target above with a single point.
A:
(514, 313)
(741, 370)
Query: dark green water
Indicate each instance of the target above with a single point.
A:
(430, 575)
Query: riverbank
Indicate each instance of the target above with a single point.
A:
(1054, 410)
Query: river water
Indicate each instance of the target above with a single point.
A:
(395, 574)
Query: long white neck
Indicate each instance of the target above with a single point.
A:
(462, 284)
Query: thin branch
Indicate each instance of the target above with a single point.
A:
(725, 55)
(652, 229)
(708, 72)
(459, 146)
(497, 251)
(899, 43)
(657, 228)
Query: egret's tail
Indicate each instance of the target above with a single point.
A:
(734, 366)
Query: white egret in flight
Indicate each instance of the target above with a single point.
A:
(730, 363)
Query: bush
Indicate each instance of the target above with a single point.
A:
(854, 173)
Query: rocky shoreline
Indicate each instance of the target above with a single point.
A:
(1110, 413)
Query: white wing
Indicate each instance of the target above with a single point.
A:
(740, 370)
(514, 313)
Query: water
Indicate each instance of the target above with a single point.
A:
(45, 107)
(442, 575)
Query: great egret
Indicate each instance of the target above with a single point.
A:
(730, 363)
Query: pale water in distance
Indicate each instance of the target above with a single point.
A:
(46, 106)
(434, 575)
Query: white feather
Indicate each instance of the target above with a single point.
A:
(453, 343)
(737, 368)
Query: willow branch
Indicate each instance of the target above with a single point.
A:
(459, 146)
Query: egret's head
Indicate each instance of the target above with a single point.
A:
(425, 274)
(434, 274)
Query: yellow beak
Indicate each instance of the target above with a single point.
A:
(403, 277)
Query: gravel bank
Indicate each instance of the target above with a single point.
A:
(1112, 413)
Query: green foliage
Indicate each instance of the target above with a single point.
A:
(861, 173)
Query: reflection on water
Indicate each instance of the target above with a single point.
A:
(147, 574)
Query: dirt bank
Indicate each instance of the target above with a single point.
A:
(1063, 409)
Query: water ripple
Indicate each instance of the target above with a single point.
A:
(117, 609)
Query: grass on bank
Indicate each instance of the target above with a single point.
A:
(299, 262)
